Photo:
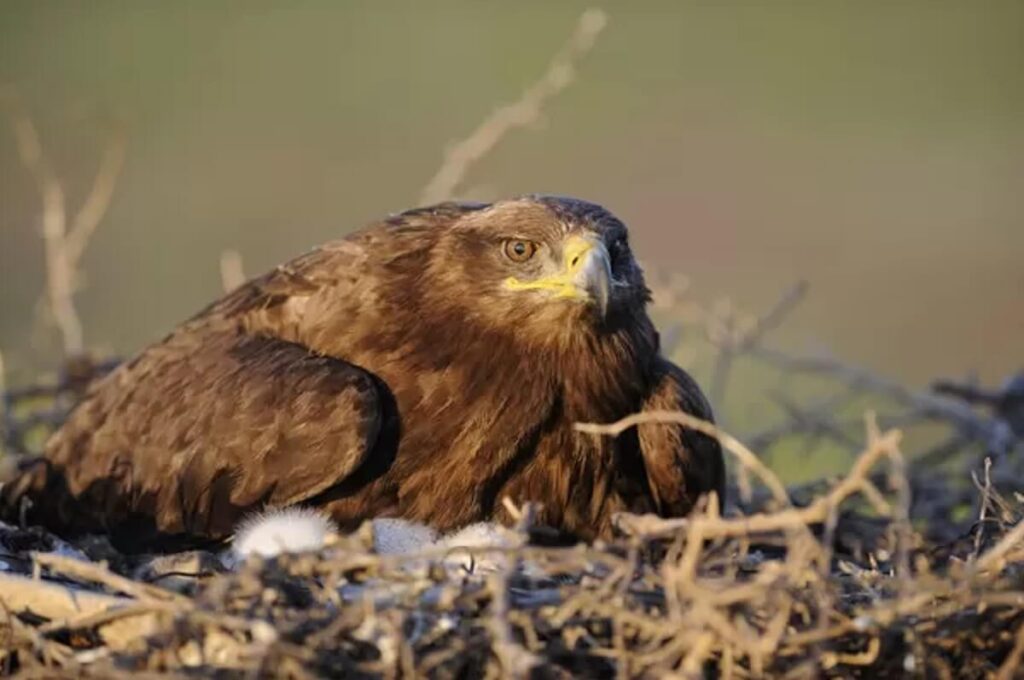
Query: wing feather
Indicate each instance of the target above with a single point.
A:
(682, 464)
(205, 429)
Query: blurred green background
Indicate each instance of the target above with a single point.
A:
(872, 148)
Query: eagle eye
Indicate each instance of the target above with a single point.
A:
(519, 250)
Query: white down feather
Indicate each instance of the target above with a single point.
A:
(284, 530)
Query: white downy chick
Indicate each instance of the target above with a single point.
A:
(283, 530)
(400, 536)
(403, 537)
(480, 535)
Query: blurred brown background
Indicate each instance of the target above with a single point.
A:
(874, 149)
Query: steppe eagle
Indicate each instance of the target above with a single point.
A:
(423, 367)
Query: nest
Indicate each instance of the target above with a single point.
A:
(842, 584)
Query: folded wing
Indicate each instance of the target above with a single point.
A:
(200, 430)
(681, 463)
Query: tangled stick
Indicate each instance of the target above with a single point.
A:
(87, 571)
(858, 481)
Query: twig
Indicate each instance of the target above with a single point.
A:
(119, 619)
(99, 574)
(806, 420)
(745, 456)
(92, 211)
(64, 245)
(560, 73)
(733, 343)
(695, 657)
(993, 560)
(969, 393)
(986, 495)
(817, 512)
(1008, 669)
(995, 434)
(232, 273)
(53, 600)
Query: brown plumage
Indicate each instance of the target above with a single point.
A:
(423, 367)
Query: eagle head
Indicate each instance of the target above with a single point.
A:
(547, 266)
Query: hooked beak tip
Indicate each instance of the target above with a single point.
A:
(595, 278)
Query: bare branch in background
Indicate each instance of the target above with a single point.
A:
(89, 216)
(817, 420)
(995, 433)
(1007, 402)
(827, 421)
(733, 337)
(232, 273)
(972, 394)
(527, 110)
(64, 244)
(733, 334)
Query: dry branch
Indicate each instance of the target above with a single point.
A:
(996, 434)
(746, 457)
(733, 338)
(525, 111)
(817, 512)
(65, 239)
(232, 272)
(52, 600)
(87, 571)
(120, 622)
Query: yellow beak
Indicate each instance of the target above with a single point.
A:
(586, 273)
